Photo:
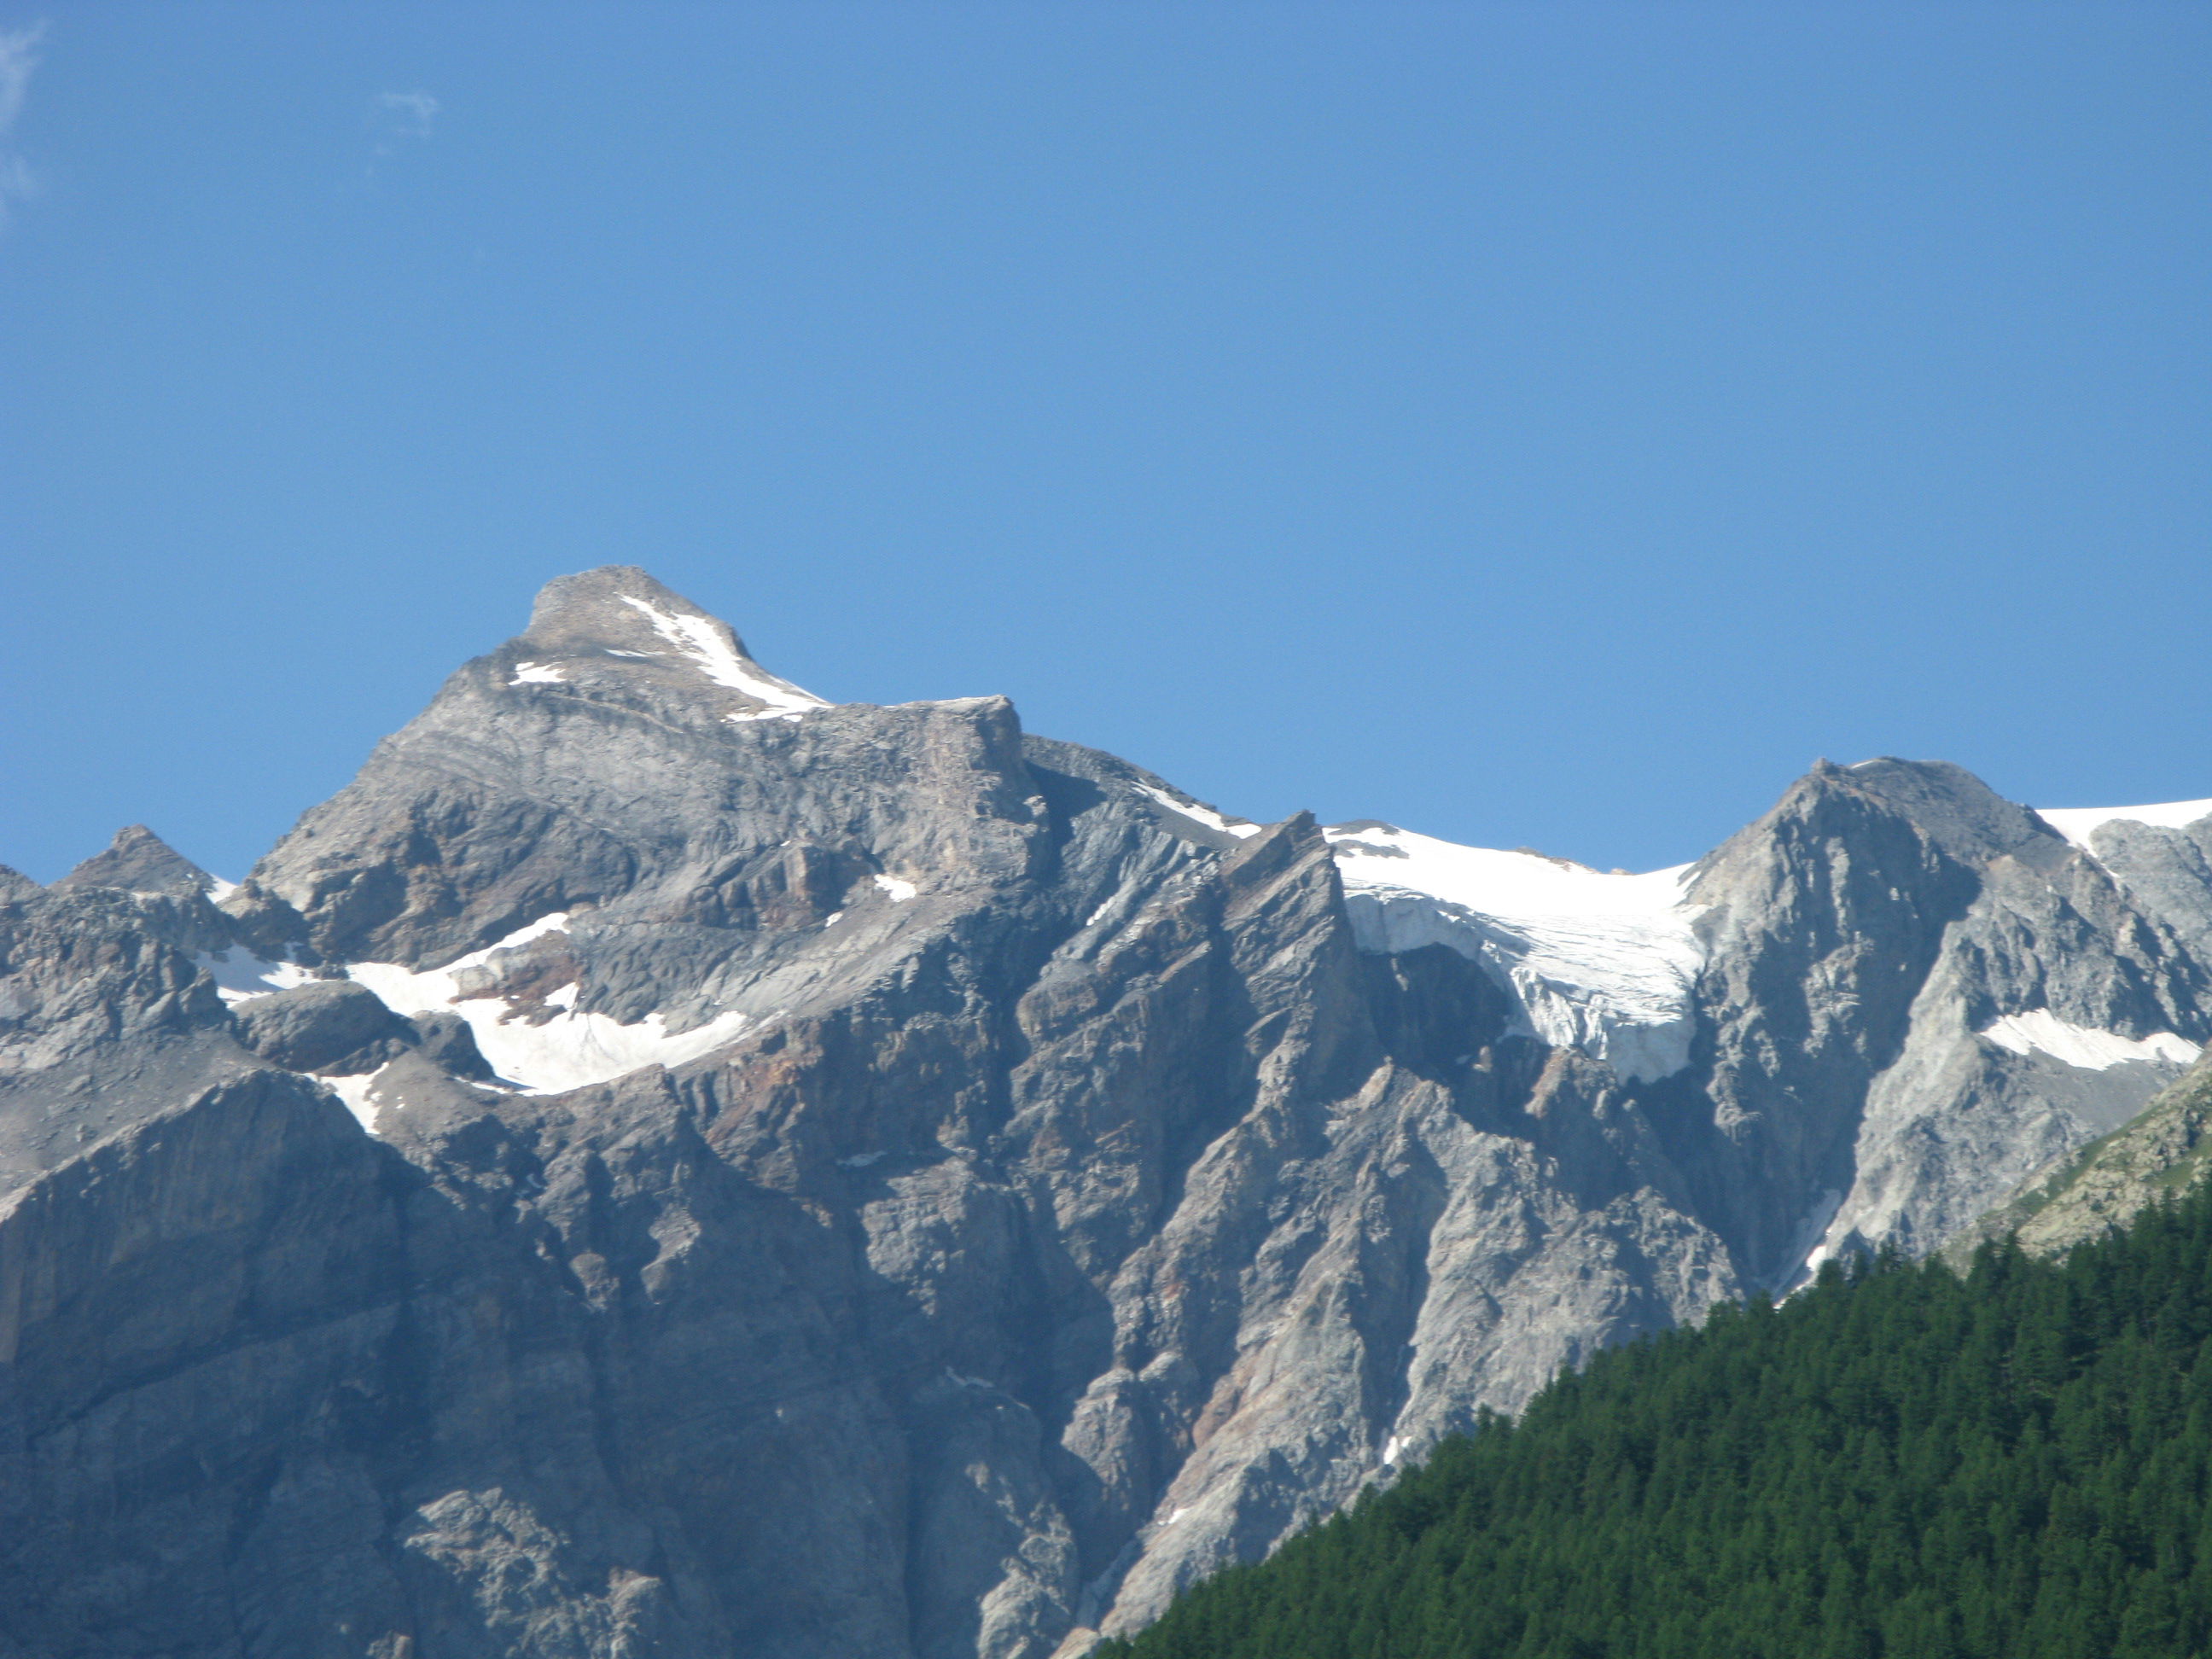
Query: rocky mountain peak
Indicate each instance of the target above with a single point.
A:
(1026, 1185)
(1910, 822)
(619, 617)
(1954, 809)
(141, 861)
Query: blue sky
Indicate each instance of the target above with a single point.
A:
(1532, 424)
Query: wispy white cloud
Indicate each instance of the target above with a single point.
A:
(404, 115)
(19, 56)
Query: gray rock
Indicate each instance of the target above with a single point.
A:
(449, 1045)
(106, 1016)
(317, 1026)
(2164, 1152)
(138, 861)
(948, 1188)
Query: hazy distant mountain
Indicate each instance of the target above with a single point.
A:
(663, 1164)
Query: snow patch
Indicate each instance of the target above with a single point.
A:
(356, 1093)
(859, 1160)
(1602, 962)
(2083, 1047)
(898, 891)
(1392, 1447)
(556, 923)
(537, 673)
(697, 638)
(1205, 815)
(240, 975)
(1813, 1242)
(2078, 824)
(570, 1050)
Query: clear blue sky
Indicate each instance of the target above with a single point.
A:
(1530, 423)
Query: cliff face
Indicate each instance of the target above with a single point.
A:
(660, 1164)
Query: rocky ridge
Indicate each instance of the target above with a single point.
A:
(873, 1181)
(2160, 1154)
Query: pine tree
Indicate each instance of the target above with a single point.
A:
(1897, 1463)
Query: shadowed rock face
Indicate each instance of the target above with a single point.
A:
(867, 1180)
(317, 1026)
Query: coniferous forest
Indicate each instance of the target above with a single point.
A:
(1896, 1464)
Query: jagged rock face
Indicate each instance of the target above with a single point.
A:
(873, 1182)
(1861, 939)
(105, 1015)
(1902, 1005)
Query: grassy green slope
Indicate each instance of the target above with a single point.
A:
(2167, 1149)
(1894, 1464)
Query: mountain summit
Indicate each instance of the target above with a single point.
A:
(661, 1163)
(139, 860)
(618, 620)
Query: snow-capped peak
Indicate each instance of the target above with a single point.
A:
(585, 624)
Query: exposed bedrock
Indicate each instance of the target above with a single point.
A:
(868, 1180)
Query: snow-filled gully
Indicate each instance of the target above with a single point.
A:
(571, 1050)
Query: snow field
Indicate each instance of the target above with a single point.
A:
(1603, 963)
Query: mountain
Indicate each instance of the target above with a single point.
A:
(664, 1163)
(2163, 1153)
(2012, 1466)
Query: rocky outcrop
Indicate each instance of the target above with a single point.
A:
(106, 1016)
(2161, 1154)
(660, 1163)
